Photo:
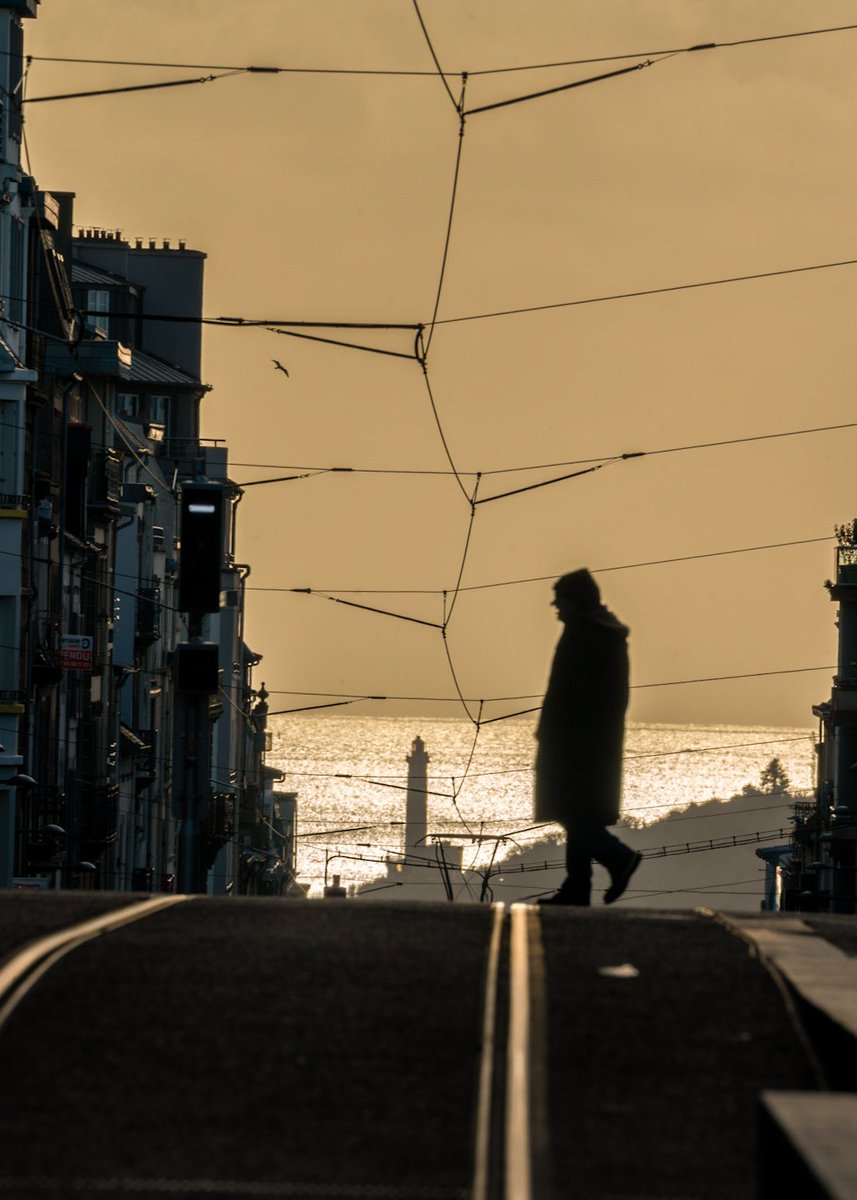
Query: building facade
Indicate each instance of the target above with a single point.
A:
(16, 377)
(818, 870)
(132, 738)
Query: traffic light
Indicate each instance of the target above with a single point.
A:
(196, 668)
(201, 557)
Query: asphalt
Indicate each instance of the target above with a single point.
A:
(330, 1049)
(655, 1076)
(30, 914)
(316, 1046)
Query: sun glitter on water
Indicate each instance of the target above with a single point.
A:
(350, 776)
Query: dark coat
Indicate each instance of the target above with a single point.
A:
(582, 725)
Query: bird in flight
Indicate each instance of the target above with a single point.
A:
(278, 366)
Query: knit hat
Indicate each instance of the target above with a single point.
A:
(580, 587)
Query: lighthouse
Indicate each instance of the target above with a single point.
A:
(422, 872)
(416, 812)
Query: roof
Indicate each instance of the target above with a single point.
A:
(147, 368)
(100, 356)
(97, 277)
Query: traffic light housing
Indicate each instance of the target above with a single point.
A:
(196, 668)
(201, 530)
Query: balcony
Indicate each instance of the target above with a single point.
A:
(192, 457)
(105, 480)
(149, 614)
(41, 811)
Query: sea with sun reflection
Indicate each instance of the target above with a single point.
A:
(350, 777)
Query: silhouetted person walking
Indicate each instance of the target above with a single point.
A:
(581, 733)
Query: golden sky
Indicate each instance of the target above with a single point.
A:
(325, 197)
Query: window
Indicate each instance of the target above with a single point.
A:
(157, 408)
(98, 306)
(127, 404)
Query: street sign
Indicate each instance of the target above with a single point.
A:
(76, 652)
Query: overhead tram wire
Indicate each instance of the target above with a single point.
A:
(388, 71)
(657, 291)
(460, 107)
(598, 461)
(456, 591)
(481, 587)
(438, 67)
(599, 465)
(536, 695)
(448, 611)
(294, 329)
(137, 87)
(563, 87)
(423, 342)
(276, 325)
(532, 487)
(309, 472)
(383, 612)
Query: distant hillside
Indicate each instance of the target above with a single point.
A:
(704, 855)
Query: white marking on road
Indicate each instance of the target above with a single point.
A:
(622, 971)
(27, 967)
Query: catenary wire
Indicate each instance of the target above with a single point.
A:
(274, 324)
(655, 291)
(536, 695)
(563, 87)
(541, 66)
(480, 587)
(137, 87)
(435, 59)
(601, 460)
(426, 342)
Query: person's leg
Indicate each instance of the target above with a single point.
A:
(620, 860)
(577, 886)
(606, 848)
(578, 863)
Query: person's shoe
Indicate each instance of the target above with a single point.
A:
(619, 882)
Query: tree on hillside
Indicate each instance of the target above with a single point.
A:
(773, 780)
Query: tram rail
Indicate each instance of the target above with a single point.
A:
(24, 969)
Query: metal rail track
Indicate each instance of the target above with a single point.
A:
(511, 1149)
(23, 970)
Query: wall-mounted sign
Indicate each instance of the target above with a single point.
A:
(76, 652)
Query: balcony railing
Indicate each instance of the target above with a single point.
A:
(105, 481)
(149, 613)
(36, 845)
(193, 457)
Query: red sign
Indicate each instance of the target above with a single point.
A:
(76, 652)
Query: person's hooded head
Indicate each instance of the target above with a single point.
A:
(576, 592)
